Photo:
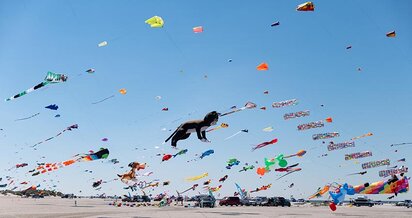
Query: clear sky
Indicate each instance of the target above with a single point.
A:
(307, 58)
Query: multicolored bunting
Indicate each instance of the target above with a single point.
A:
(311, 125)
(391, 172)
(362, 136)
(332, 146)
(285, 103)
(377, 163)
(358, 155)
(327, 135)
(296, 114)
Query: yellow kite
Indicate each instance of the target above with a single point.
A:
(155, 22)
(194, 178)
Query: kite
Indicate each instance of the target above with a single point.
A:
(307, 6)
(123, 91)
(243, 130)
(291, 185)
(268, 163)
(214, 189)
(198, 29)
(103, 153)
(199, 126)
(207, 182)
(165, 109)
(50, 78)
(166, 183)
(232, 162)
(358, 155)
(181, 152)
(166, 157)
(296, 114)
(194, 178)
(401, 160)
(405, 143)
(286, 169)
(325, 135)
(332, 146)
(223, 125)
(52, 107)
(207, 153)
(290, 172)
(261, 145)
(241, 191)
(391, 172)
(248, 105)
(348, 47)
(377, 163)
(300, 153)
(391, 34)
(328, 120)
(268, 129)
(223, 179)
(97, 183)
(263, 108)
(285, 103)
(263, 66)
(158, 97)
(311, 125)
(155, 22)
(275, 24)
(102, 44)
(91, 70)
(266, 92)
(191, 188)
(362, 136)
(26, 118)
(69, 128)
(131, 175)
(360, 173)
(105, 139)
(21, 165)
(265, 187)
(3, 185)
(114, 161)
(246, 168)
(104, 99)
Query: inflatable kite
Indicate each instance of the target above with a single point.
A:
(246, 168)
(268, 129)
(232, 162)
(103, 153)
(155, 22)
(207, 153)
(285, 103)
(194, 178)
(50, 78)
(181, 152)
(131, 175)
(307, 6)
(166, 157)
(272, 162)
(69, 128)
(296, 115)
(265, 187)
(261, 145)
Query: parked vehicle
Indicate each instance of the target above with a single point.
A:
(408, 203)
(206, 201)
(246, 202)
(260, 201)
(362, 201)
(37, 196)
(230, 201)
(278, 201)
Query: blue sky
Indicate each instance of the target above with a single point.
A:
(307, 61)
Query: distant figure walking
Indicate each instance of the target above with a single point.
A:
(75, 203)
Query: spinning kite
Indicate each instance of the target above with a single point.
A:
(70, 128)
(50, 78)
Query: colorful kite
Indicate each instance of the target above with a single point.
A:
(50, 78)
(391, 34)
(155, 22)
(362, 136)
(70, 128)
(52, 107)
(194, 178)
(131, 175)
(296, 114)
(325, 135)
(246, 168)
(320, 192)
(263, 66)
(223, 125)
(261, 145)
(285, 103)
(207, 153)
(271, 162)
(391, 172)
(198, 29)
(223, 179)
(232, 162)
(300, 153)
(123, 91)
(166, 157)
(248, 105)
(265, 187)
(311, 125)
(103, 153)
(191, 188)
(358, 155)
(332, 146)
(377, 163)
(307, 6)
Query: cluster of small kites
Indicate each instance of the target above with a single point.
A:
(275, 164)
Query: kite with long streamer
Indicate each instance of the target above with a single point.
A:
(332, 146)
(248, 105)
(49, 79)
(263, 144)
(191, 188)
(391, 172)
(377, 163)
(362, 136)
(69, 128)
(243, 130)
(103, 153)
(194, 178)
(358, 155)
(296, 115)
(290, 172)
(300, 153)
(223, 125)
(405, 143)
(325, 135)
(262, 188)
(285, 103)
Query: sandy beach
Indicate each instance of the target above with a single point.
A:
(12, 207)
